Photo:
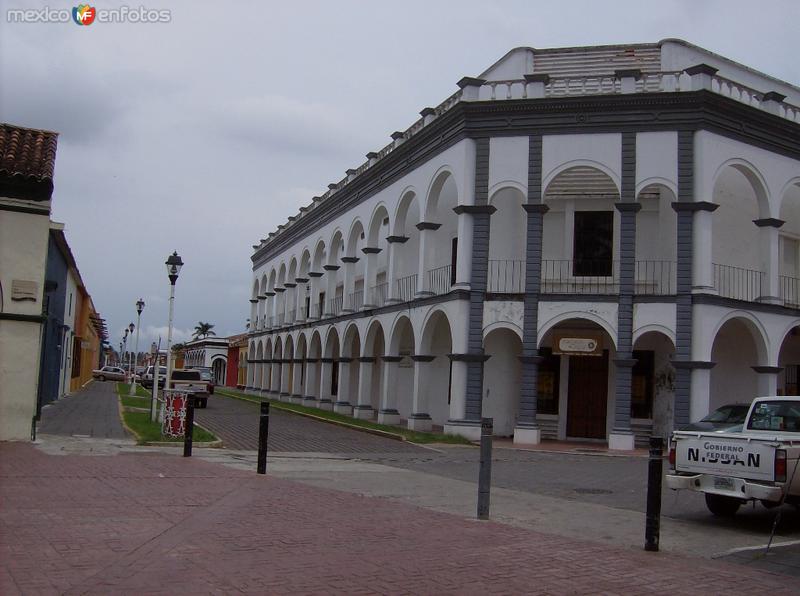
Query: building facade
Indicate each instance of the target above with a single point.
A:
(209, 352)
(592, 243)
(27, 161)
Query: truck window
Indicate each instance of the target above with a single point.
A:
(775, 415)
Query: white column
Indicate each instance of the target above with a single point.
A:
(391, 269)
(420, 419)
(700, 393)
(255, 314)
(767, 379)
(702, 269)
(426, 230)
(342, 405)
(316, 311)
(388, 413)
(370, 275)
(297, 387)
(330, 293)
(769, 239)
(464, 251)
(349, 283)
(266, 367)
(309, 390)
(325, 395)
(363, 409)
(300, 305)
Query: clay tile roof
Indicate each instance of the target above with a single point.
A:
(27, 161)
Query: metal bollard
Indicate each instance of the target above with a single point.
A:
(188, 431)
(654, 476)
(263, 435)
(485, 471)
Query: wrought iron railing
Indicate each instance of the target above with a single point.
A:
(335, 306)
(654, 278)
(574, 276)
(379, 294)
(406, 287)
(789, 290)
(356, 300)
(440, 280)
(738, 283)
(506, 276)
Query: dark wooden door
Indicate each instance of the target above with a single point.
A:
(588, 396)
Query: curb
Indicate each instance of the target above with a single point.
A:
(373, 431)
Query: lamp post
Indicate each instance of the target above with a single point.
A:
(130, 353)
(124, 349)
(139, 309)
(174, 264)
(119, 358)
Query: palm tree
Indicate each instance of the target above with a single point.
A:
(203, 330)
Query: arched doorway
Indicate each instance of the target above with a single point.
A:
(433, 371)
(501, 381)
(738, 347)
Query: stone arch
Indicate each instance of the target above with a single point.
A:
(507, 241)
(336, 247)
(399, 334)
(502, 378)
(373, 346)
(788, 359)
(789, 245)
(755, 328)
(258, 376)
(443, 185)
(273, 276)
(281, 275)
(319, 256)
(653, 387)
(753, 176)
(738, 345)
(503, 325)
(579, 169)
(408, 200)
(433, 382)
(406, 252)
(379, 215)
(550, 324)
(355, 239)
(332, 344)
(656, 248)
(277, 367)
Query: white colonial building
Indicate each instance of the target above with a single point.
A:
(208, 352)
(581, 243)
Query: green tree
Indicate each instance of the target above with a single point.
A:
(203, 330)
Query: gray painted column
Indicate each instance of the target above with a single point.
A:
(621, 436)
(527, 429)
(683, 308)
(481, 211)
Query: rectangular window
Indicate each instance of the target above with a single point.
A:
(549, 372)
(593, 243)
(791, 386)
(642, 384)
(69, 314)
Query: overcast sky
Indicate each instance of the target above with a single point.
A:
(203, 134)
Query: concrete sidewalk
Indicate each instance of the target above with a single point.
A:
(150, 522)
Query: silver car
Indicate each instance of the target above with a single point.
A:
(109, 373)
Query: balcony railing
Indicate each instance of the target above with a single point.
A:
(379, 294)
(738, 283)
(506, 276)
(268, 323)
(356, 300)
(406, 287)
(335, 306)
(572, 276)
(290, 317)
(654, 278)
(279, 320)
(440, 280)
(789, 290)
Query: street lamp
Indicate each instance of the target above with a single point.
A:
(124, 349)
(174, 264)
(139, 309)
(130, 354)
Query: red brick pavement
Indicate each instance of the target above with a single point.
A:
(162, 524)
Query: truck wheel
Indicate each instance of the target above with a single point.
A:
(722, 506)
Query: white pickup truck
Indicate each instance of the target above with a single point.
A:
(758, 463)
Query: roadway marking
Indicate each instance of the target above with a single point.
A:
(743, 549)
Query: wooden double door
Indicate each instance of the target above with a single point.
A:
(587, 396)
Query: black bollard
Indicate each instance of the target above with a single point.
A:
(188, 431)
(654, 475)
(263, 435)
(485, 472)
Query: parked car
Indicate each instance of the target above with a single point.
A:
(191, 380)
(109, 373)
(727, 418)
(147, 377)
(758, 463)
(208, 375)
